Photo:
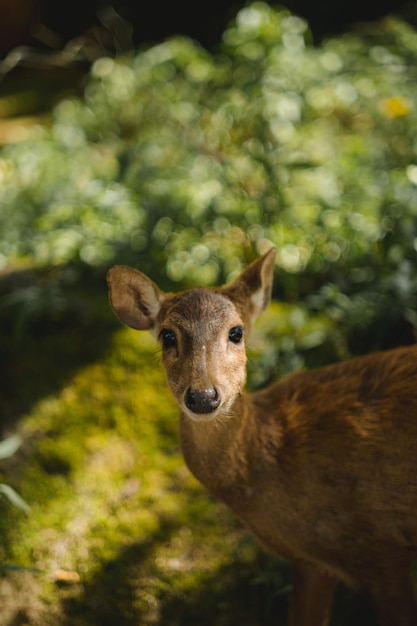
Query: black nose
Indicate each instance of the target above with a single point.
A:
(202, 400)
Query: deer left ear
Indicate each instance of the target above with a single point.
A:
(251, 291)
(134, 297)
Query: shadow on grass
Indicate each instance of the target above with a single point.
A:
(52, 322)
(231, 596)
(237, 594)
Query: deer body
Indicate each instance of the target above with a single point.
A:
(322, 465)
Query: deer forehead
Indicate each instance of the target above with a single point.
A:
(200, 314)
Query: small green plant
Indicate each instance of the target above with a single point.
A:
(7, 448)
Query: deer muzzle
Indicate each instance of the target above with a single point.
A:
(202, 401)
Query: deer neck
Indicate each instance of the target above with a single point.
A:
(217, 452)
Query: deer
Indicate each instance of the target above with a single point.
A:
(321, 465)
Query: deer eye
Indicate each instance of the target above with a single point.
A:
(168, 337)
(236, 334)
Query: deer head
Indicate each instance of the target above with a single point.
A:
(201, 331)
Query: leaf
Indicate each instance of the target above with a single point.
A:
(14, 498)
(9, 446)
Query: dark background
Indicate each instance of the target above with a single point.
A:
(125, 23)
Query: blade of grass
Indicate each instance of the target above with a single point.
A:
(9, 446)
(14, 498)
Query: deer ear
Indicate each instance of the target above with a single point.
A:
(251, 291)
(134, 297)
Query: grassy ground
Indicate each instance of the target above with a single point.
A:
(119, 532)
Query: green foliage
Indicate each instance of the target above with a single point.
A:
(183, 163)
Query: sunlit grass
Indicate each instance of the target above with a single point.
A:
(111, 498)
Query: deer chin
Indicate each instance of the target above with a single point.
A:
(223, 411)
(202, 417)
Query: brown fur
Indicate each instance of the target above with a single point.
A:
(322, 465)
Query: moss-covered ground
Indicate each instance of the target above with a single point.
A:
(119, 533)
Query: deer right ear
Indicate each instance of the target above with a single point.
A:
(134, 297)
(252, 289)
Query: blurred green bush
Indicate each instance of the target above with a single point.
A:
(186, 165)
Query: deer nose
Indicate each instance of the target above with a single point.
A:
(202, 400)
